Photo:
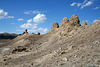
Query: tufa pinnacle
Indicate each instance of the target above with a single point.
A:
(64, 21)
(84, 23)
(74, 20)
(55, 25)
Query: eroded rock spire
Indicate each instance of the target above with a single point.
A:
(84, 23)
(74, 20)
(64, 22)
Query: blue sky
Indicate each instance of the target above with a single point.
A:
(38, 15)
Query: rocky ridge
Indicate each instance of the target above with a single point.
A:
(69, 45)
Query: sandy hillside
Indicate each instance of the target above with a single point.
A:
(69, 45)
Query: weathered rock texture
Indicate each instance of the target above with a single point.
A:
(64, 22)
(19, 49)
(74, 20)
(84, 23)
(69, 46)
(55, 25)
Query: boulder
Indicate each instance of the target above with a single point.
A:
(74, 20)
(84, 23)
(19, 49)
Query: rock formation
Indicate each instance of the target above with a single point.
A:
(25, 31)
(55, 25)
(66, 25)
(64, 22)
(84, 23)
(68, 46)
(19, 49)
(74, 20)
(38, 33)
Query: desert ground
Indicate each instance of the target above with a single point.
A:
(69, 45)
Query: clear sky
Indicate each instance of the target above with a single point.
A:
(38, 15)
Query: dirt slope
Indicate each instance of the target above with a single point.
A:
(78, 46)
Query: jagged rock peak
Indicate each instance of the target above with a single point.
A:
(55, 25)
(74, 20)
(65, 20)
(73, 17)
(84, 23)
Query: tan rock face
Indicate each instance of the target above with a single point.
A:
(64, 21)
(67, 26)
(74, 20)
(84, 23)
(70, 46)
(55, 25)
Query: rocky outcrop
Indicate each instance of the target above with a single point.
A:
(74, 20)
(69, 46)
(64, 22)
(55, 25)
(38, 33)
(66, 25)
(84, 23)
(25, 32)
(19, 49)
(69, 26)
